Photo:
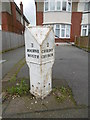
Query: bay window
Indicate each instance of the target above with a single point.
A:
(62, 30)
(57, 5)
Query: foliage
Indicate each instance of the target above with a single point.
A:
(19, 89)
(63, 93)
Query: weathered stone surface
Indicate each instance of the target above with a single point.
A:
(40, 54)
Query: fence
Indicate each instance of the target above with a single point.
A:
(11, 40)
(83, 42)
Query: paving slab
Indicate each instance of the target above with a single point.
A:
(25, 107)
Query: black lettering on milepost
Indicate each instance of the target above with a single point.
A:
(33, 56)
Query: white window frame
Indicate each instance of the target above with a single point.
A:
(55, 9)
(50, 1)
(46, 1)
(0, 27)
(68, 6)
(84, 28)
(64, 31)
(88, 9)
(68, 28)
(62, 5)
(57, 28)
(56, 5)
(60, 27)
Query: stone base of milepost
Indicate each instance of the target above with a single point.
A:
(40, 79)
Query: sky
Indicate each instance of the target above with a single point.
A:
(29, 10)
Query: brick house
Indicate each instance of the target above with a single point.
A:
(69, 18)
(13, 19)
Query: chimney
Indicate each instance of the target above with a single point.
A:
(21, 7)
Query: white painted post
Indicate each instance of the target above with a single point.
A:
(40, 55)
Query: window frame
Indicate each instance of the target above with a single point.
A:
(46, 1)
(60, 5)
(84, 28)
(0, 27)
(88, 9)
(50, 1)
(57, 28)
(68, 6)
(55, 5)
(67, 27)
(64, 1)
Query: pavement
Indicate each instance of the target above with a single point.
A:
(70, 70)
(10, 58)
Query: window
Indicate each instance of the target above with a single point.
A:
(57, 30)
(52, 5)
(64, 5)
(68, 31)
(0, 27)
(87, 6)
(58, 5)
(62, 31)
(84, 30)
(88, 29)
(6, 6)
(69, 6)
(46, 5)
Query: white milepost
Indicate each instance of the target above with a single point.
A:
(40, 56)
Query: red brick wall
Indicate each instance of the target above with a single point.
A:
(9, 21)
(76, 25)
(61, 40)
(39, 18)
(6, 22)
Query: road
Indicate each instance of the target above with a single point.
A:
(11, 58)
(71, 65)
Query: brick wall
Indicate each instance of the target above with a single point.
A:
(39, 16)
(76, 25)
(9, 21)
(61, 40)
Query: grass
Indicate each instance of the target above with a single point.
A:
(20, 89)
(62, 93)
